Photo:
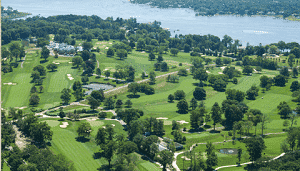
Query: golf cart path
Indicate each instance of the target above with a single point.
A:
(174, 164)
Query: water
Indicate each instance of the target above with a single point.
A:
(254, 30)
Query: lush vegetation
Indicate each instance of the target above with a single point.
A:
(266, 7)
(173, 93)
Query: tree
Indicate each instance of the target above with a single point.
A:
(284, 71)
(293, 116)
(182, 72)
(152, 77)
(61, 113)
(212, 159)
(171, 98)
(233, 113)
(134, 88)
(179, 94)
(219, 84)
(76, 61)
(199, 93)
(182, 106)
(119, 103)
(201, 75)
(193, 104)
(296, 52)
(121, 53)
(240, 150)
(279, 80)
(34, 99)
(247, 70)
(293, 133)
(284, 109)
(165, 158)
(128, 103)
(264, 81)
(252, 92)
(107, 73)
(98, 72)
(87, 46)
(151, 56)
(164, 67)
(51, 67)
(40, 132)
(41, 88)
(295, 86)
(143, 75)
(110, 52)
(255, 146)
(216, 114)
(174, 51)
(98, 95)
(159, 58)
(219, 61)
(40, 69)
(45, 53)
(140, 44)
(84, 129)
(264, 120)
(295, 72)
(109, 103)
(33, 90)
(66, 95)
(254, 116)
(93, 103)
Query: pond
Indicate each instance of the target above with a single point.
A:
(96, 86)
(228, 151)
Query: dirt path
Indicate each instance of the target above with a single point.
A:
(20, 140)
(23, 61)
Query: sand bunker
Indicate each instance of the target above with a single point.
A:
(182, 122)
(10, 83)
(70, 62)
(143, 52)
(222, 68)
(113, 124)
(220, 72)
(107, 48)
(70, 77)
(207, 72)
(56, 63)
(161, 118)
(110, 43)
(64, 125)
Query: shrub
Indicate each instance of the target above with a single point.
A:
(113, 117)
(102, 115)
(229, 133)
(83, 111)
(180, 64)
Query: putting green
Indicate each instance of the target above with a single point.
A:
(52, 123)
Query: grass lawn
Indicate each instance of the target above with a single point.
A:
(81, 153)
(5, 167)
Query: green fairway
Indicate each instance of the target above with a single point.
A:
(52, 123)
(17, 95)
(59, 80)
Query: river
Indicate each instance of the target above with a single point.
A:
(254, 30)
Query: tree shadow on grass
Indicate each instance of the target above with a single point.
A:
(214, 131)
(82, 139)
(104, 168)
(182, 112)
(133, 96)
(207, 126)
(97, 155)
(43, 61)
